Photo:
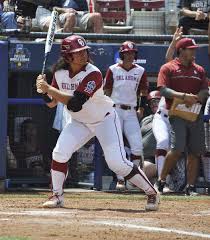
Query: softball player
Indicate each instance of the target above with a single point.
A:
(125, 83)
(79, 85)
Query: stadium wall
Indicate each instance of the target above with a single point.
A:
(23, 61)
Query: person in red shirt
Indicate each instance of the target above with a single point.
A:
(184, 79)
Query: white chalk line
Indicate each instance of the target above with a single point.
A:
(152, 229)
(59, 212)
(40, 213)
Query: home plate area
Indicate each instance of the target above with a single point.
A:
(99, 215)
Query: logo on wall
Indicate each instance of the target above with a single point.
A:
(19, 57)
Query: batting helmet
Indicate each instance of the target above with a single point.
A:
(153, 95)
(128, 46)
(72, 44)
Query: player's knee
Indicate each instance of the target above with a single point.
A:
(119, 166)
(133, 172)
(70, 17)
(61, 157)
(137, 152)
(60, 167)
(115, 166)
(150, 170)
(138, 160)
(163, 144)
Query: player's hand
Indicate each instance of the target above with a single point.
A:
(140, 113)
(41, 84)
(190, 99)
(177, 35)
(70, 10)
(200, 15)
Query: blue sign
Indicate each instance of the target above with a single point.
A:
(29, 56)
(19, 57)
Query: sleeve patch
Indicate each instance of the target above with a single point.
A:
(90, 87)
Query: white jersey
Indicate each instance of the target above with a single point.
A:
(125, 84)
(89, 81)
(162, 106)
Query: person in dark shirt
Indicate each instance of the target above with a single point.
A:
(28, 150)
(194, 14)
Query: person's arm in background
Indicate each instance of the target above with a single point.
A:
(108, 83)
(171, 49)
(198, 15)
(142, 93)
(64, 10)
(163, 84)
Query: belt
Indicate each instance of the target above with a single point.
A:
(165, 115)
(124, 107)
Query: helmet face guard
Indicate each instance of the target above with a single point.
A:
(71, 45)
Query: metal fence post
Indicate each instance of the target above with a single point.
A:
(3, 109)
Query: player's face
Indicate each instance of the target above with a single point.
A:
(189, 54)
(80, 58)
(129, 56)
(154, 104)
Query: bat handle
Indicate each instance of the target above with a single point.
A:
(39, 90)
(43, 71)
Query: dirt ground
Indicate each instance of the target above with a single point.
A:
(99, 215)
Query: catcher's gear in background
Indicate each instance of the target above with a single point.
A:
(180, 109)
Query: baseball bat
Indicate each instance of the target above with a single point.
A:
(49, 41)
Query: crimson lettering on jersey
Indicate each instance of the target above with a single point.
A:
(66, 84)
(139, 77)
(130, 78)
(88, 81)
(126, 85)
(71, 86)
(91, 83)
